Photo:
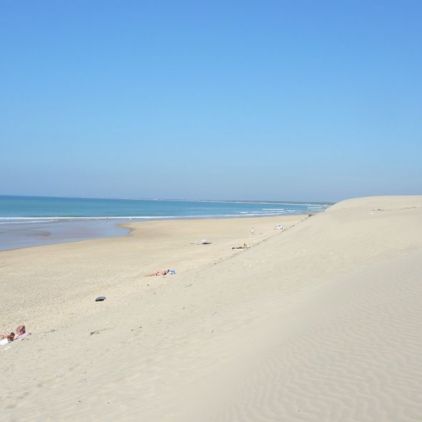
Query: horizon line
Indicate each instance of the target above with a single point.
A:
(168, 199)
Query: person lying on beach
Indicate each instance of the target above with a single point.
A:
(244, 246)
(8, 338)
(21, 332)
(162, 273)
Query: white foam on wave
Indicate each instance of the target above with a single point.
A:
(52, 219)
(17, 220)
(273, 209)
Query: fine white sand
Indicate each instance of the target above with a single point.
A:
(320, 322)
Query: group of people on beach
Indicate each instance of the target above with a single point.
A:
(173, 272)
(18, 334)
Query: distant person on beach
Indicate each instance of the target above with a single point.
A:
(7, 338)
(20, 332)
(162, 273)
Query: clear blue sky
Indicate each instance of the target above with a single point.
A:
(295, 100)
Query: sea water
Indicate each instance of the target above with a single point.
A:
(31, 221)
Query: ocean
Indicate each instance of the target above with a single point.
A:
(31, 221)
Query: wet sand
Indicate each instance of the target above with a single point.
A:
(15, 235)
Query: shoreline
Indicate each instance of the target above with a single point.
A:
(297, 325)
(33, 239)
(27, 221)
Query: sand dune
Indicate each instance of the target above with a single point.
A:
(321, 322)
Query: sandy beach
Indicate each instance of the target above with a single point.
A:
(321, 321)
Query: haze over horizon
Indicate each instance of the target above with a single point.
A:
(163, 199)
(303, 101)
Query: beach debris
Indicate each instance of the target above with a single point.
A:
(99, 331)
(100, 298)
(202, 242)
(244, 246)
(279, 227)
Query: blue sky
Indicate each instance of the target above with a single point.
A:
(294, 100)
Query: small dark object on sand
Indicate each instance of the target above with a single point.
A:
(100, 298)
(244, 246)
